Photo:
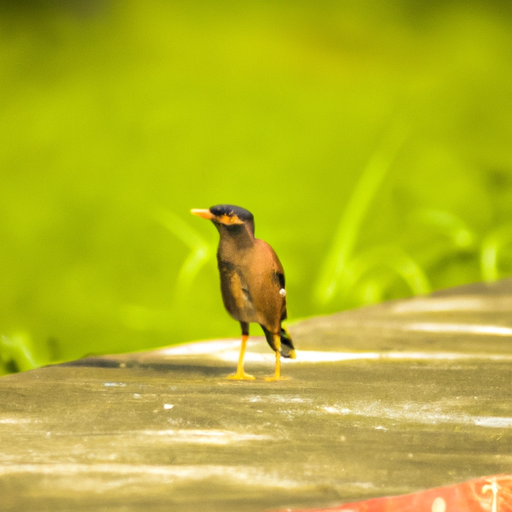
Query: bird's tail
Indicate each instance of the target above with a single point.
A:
(287, 348)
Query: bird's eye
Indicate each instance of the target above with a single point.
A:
(229, 219)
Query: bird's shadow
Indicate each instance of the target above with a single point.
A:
(185, 368)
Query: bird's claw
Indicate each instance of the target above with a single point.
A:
(275, 378)
(241, 376)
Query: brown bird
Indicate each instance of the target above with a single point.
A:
(251, 281)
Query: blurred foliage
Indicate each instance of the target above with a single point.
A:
(370, 139)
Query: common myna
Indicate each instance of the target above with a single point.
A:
(251, 281)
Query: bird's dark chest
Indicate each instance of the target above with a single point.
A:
(236, 283)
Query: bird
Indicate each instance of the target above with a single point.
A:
(252, 283)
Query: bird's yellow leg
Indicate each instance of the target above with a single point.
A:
(277, 374)
(240, 374)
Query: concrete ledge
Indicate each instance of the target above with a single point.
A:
(384, 400)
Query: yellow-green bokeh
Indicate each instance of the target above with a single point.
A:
(118, 117)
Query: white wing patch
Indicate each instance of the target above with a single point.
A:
(282, 292)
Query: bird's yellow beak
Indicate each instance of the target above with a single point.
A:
(205, 214)
(227, 220)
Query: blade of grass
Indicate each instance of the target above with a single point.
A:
(200, 250)
(17, 353)
(448, 224)
(392, 258)
(346, 235)
(489, 253)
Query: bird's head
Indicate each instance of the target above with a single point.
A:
(228, 217)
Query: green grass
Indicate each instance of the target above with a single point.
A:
(371, 140)
(200, 252)
(336, 269)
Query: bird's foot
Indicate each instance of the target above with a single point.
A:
(275, 378)
(241, 376)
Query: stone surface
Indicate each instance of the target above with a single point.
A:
(384, 400)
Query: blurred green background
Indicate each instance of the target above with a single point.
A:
(371, 140)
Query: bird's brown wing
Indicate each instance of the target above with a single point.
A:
(265, 282)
